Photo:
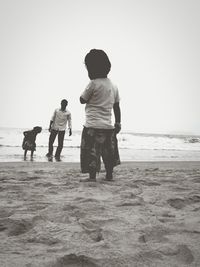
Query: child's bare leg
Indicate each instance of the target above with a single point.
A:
(25, 152)
(109, 173)
(108, 162)
(92, 174)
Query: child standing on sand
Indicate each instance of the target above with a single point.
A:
(29, 140)
(99, 135)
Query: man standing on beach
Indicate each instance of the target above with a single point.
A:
(57, 126)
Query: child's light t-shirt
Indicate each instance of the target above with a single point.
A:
(101, 94)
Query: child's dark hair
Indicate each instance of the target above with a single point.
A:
(37, 129)
(97, 63)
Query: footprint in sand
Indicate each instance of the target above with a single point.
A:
(179, 203)
(148, 256)
(129, 198)
(4, 213)
(92, 229)
(73, 260)
(73, 211)
(156, 234)
(196, 180)
(2, 227)
(194, 199)
(166, 216)
(17, 227)
(2, 188)
(181, 253)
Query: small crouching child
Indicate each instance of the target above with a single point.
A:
(29, 140)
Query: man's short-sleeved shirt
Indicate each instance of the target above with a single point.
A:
(60, 119)
(101, 94)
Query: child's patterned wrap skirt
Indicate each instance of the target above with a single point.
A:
(96, 143)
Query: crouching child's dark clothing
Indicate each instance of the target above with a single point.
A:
(29, 140)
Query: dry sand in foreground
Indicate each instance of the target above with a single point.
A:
(149, 216)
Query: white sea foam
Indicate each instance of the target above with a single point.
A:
(132, 146)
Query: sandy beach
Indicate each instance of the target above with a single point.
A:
(148, 216)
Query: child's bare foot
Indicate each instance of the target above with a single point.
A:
(109, 176)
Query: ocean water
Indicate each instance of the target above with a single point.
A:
(132, 146)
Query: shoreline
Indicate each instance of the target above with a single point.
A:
(12, 154)
(174, 164)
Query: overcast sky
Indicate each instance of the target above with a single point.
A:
(153, 45)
